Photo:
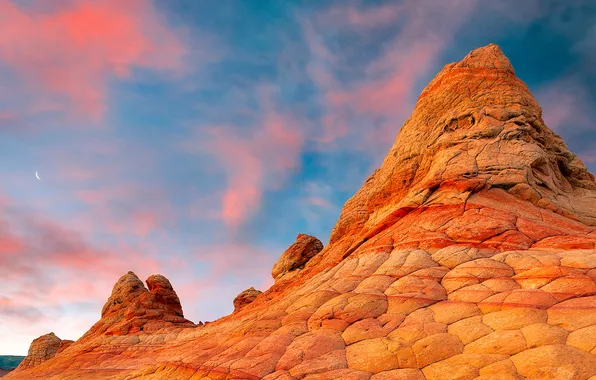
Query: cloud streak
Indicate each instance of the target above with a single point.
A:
(255, 163)
(70, 53)
(379, 96)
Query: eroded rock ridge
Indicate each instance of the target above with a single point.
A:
(469, 254)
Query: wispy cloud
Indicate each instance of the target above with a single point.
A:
(255, 161)
(371, 105)
(68, 54)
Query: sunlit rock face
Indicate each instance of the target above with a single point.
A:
(40, 350)
(470, 254)
(476, 126)
(132, 308)
(245, 297)
(296, 256)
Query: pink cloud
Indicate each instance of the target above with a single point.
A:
(232, 267)
(362, 17)
(70, 52)
(108, 187)
(100, 195)
(321, 202)
(146, 221)
(9, 244)
(385, 94)
(136, 214)
(386, 97)
(256, 163)
(10, 308)
(6, 117)
(564, 104)
(45, 266)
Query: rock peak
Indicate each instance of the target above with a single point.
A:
(41, 349)
(490, 57)
(126, 289)
(476, 126)
(164, 293)
(133, 308)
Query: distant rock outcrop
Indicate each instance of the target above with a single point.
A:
(132, 308)
(40, 350)
(296, 256)
(469, 254)
(245, 297)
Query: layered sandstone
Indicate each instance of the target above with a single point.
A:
(469, 254)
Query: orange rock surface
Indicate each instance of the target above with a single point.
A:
(41, 349)
(296, 256)
(245, 297)
(469, 254)
(132, 308)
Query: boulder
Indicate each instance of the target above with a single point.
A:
(245, 297)
(297, 255)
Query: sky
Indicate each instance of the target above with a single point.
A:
(197, 138)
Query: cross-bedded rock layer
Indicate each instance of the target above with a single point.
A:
(470, 254)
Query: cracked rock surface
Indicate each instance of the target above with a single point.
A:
(469, 254)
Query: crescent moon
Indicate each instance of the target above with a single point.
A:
(36, 175)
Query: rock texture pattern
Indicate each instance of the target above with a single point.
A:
(296, 256)
(245, 297)
(132, 308)
(40, 350)
(469, 254)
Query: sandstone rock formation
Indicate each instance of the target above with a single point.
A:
(245, 297)
(132, 308)
(296, 256)
(40, 350)
(469, 254)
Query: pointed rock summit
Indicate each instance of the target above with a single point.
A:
(126, 290)
(40, 350)
(132, 308)
(469, 254)
(475, 128)
(488, 57)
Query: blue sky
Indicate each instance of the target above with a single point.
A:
(196, 139)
